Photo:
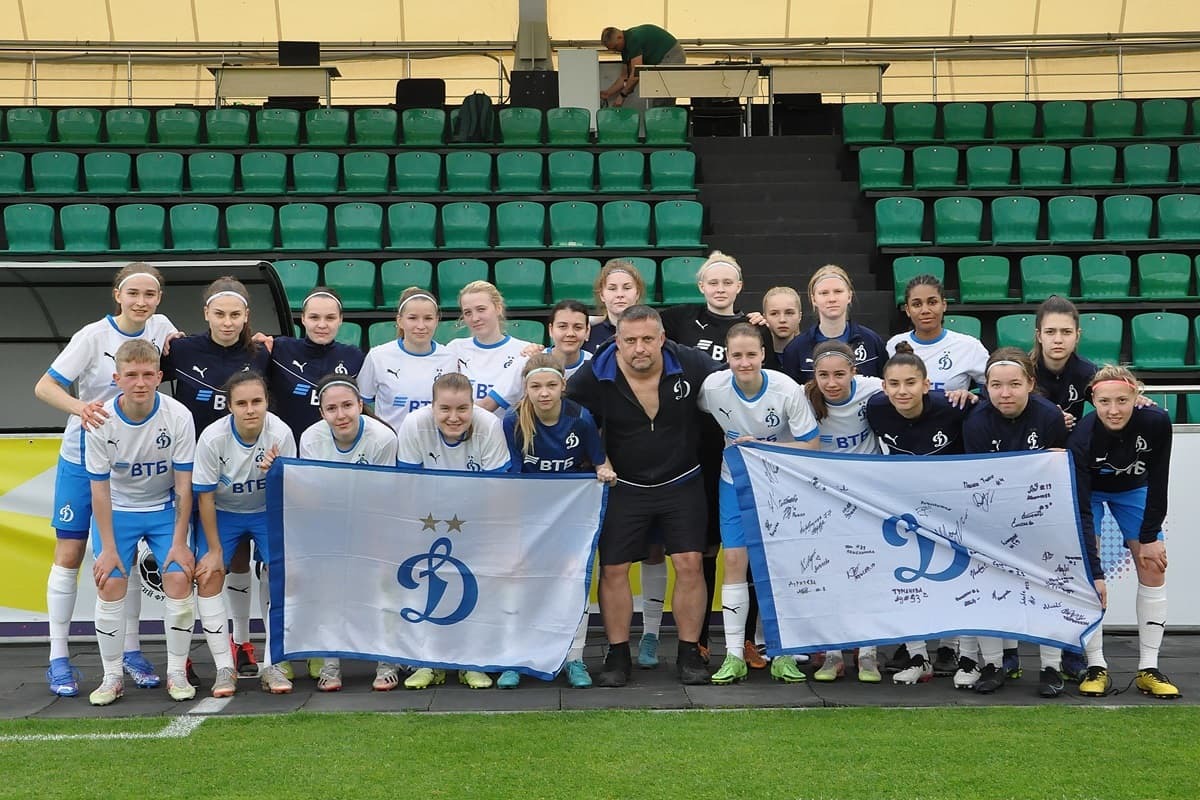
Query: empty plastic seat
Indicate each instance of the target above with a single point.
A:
(672, 171)
(54, 172)
(1114, 119)
(1072, 218)
(1015, 220)
(666, 125)
(412, 226)
(1164, 119)
(622, 171)
(177, 127)
(1193, 408)
(354, 279)
(617, 126)
(678, 223)
(983, 279)
(455, 273)
(1093, 165)
(573, 278)
(466, 226)
(573, 224)
(521, 224)
(679, 280)
(899, 221)
(299, 277)
(1044, 275)
(447, 331)
(1101, 339)
(1160, 340)
(1041, 165)
(1146, 164)
(385, 332)
(906, 268)
(568, 126)
(648, 269)
(29, 228)
(86, 227)
(962, 323)
(327, 127)
(527, 330)
(1164, 276)
(304, 226)
(315, 172)
(250, 226)
(571, 171)
(863, 123)
(358, 226)
(78, 125)
(366, 173)
(277, 127)
(108, 173)
(914, 122)
(469, 172)
(1063, 119)
(964, 122)
(349, 333)
(210, 173)
(227, 127)
(141, 226)
(1127, 217)
(423, 126)
(194, 226)
(12, 172)
(519, 171)
(626, 224)
(1179, 217)
(1104, 277)
(160, 172)
(522, 281)
(1015, 330)
(398, 274)
(935, 168)
(128, 126)
(989, 166)
(375, 127)
(263, 173)
(1013, 122)
(418, 173)
(29, 125)
(881, 168)
(520, 126)
(957, 220)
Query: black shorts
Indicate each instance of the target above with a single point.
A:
(676, 512)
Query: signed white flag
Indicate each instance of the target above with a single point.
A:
(857, 550)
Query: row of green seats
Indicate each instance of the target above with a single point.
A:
(524, 282)
(900, 221)
(142, 227)
(323, 172)
(1102, 277)
(867, 123)
(330, 127)
(991, 166)
(351, 333)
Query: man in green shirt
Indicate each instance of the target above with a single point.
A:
(641, 44)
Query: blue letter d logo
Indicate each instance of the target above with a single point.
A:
(410, 578)
(925, 547)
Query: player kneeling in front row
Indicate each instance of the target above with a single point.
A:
(136, 460)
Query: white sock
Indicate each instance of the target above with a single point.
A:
(919, 648)
(968, 647)
(212, 622)
(1050, 657)
(264, 597)
(335, 663)
(735, 610)
(237, 592)
(991, 651)
(61, 588)
(178, 617)
(867, 651)
(133, 609)
(654, 589)
(1151, 605)
(1093, 649)
(576, 652)
(110, 634)
(760, 637)
(833, 655)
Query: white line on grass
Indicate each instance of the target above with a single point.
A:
(180, 727)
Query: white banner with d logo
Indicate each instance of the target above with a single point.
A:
(441, 569)
(857, 550)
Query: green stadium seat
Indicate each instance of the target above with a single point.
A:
(29, 228)
(1114, 119)
(210, 173)
(418, 173)
(1193, 408)
(527, 330)
(194, 226)
(1015, 220)
(1160, 340)
(935, 168)
(423, 126)
(455, 273)
(1164, 119)
(1013, 122)
(398, 274)
(354, 279)
(159, 172)
(141, 227)
(385, 332)
(1093, 165)
(250, 226)
(568, 126)
(679, 280)
(1015, 330)
(957, 220)
(622, 171)
(466, 226)
(1164, 276)
(375, 127)
(522, 281)
(316, 172)
(519, 172)
(617, 126)
(962, 323)
(983, 279)
(573, 224)
(277, 127)
(881, 168)
(1146, 164)
(1168, 402)
(899, 221)
(79, 126)
(358, 226)
(447, 331)
(964, 122)
(520, 126)
(227, 127)
(1104, 277)
(1127, 217)
(468, 173)
(573, 279)
(1179, 217)
(571, 171)
(86, 228)
(521, 225)
(863, 123)
(666, 125)
(412, 226)
(12, 172)
(127, 126)
(54, 172)
(626, 224)
(648, 269)
(177, 127)
(349, 333)
(303, 226)
(1072, 218)
(327, 127)
(678, 223)
(366, 173)
(299, 277)
(672, 171)
(905, 268)
(1041, 165)
(29, 125)
(263, 173)
(1101, 338)
(1044, 275)
(1063, 119)
(989, 166)
(108, 173)
(914, 122)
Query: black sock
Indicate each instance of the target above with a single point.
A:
(752, 620)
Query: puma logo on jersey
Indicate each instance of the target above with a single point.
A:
(199, 371)
(701, 325)
(113, 442)
(224, 461)
(890, 438)
(434, 456)
(728, 414)
(299, 365)
(395, 373)
(110, 355)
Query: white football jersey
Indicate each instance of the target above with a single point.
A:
(490, 367)
(398, 382)
(845, 428)
(87, 362)
(512, 391)
(952, 361)
(422, 444)
(778, 413)
(139, 459)
(229, 466)
(375, 444)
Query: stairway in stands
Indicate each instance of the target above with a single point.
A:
(783, 208)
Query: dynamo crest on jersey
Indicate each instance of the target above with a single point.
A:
(772, 419)
(940, 439)
(163, 440)
(945, 362)
(508, 362)
(1141, 445)
(362, 459)
(473, 465)
(860, 353)
(572, 441)
(1032, 440)
(1072, 393)
(340, 369)
(66, 514)
(682, 389)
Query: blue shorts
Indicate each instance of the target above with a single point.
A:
(130, 527)
(233, 529)
(1127, 508)
(72, 500)
(732, 534)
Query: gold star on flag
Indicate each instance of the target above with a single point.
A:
(429, 523)
(454, 524)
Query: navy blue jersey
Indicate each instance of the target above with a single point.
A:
(296, 367)
(936, 432)
(1070, 388)
(199, 366)
(570, 445)
(870, 351)
(601, 333)
(1039, 427)
(1137, 455)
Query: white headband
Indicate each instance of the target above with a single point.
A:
(133, 275)
(536, 370)
(227, 293)
(837, 353)
(616, 270)
(321, 294)
(421, 296)
(331, 384)
(1004, 362)
(709, 266)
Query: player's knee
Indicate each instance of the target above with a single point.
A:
(113, 589)
(69, 552)
(735, 559)
(176, 585)
(687, 565)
